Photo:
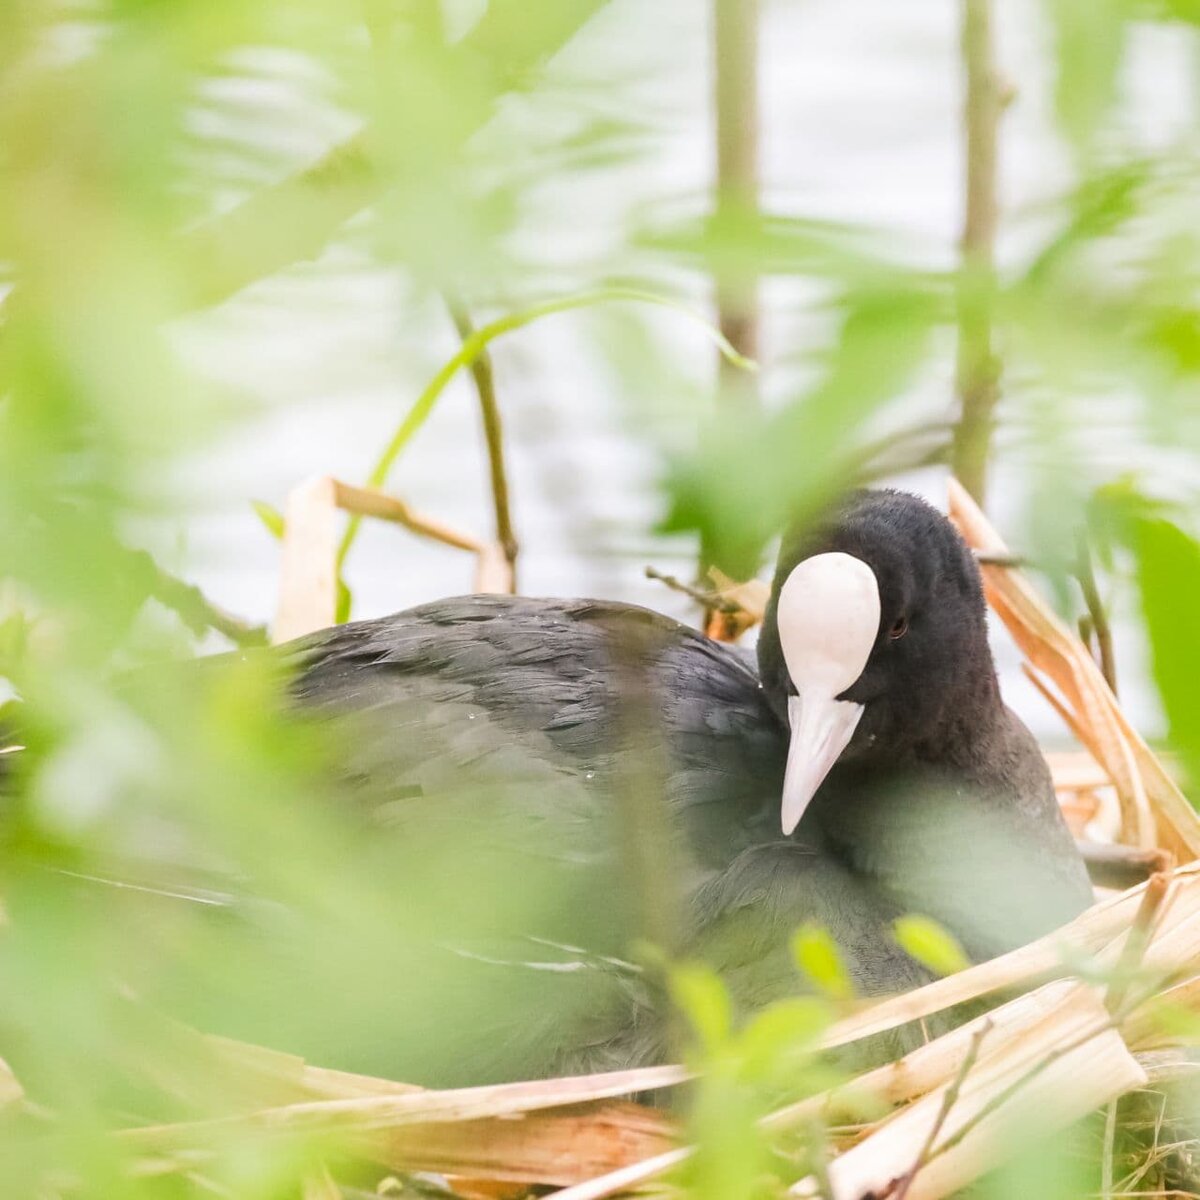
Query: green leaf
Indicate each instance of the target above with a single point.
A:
(1187, 11)
(1090, 41)
(780, 1032)
(271, 517)
(752, 477)
(345, 602)
(701, 996)
(931, 944)
(1168, 564)
(476, 343)
(818, 956)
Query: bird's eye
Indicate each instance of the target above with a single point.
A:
(899, 628)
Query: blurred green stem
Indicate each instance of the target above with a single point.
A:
(1097, 614)
(474, 345)
(493, 432)
(977, 368)
(735, 63)
(735, 36)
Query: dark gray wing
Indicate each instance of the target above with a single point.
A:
(506, 721)
(517, 693)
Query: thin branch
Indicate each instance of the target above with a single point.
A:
(1013, 561)
(1004, 1095)
(477, 343)
(1097, 614)
(948, 1102)
(918, 446)
(188, 602)
(1136, 941)
(1106, 1162)
(977, 368)
(1114, 865)
(710, 600)
(493, 431)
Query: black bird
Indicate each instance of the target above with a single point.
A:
(869, 769)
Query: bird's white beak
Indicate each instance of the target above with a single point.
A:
(828, 614)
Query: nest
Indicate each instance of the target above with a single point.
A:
(1074, 1027)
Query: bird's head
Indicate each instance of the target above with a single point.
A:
(875, 638)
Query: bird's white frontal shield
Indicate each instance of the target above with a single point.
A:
(828, 616)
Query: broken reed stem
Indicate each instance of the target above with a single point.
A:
(484, 378)
(1135, 945)
(1114, 865)
(977, 372)
(1097, 614)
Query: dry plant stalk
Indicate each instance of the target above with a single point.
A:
(362, 1114)
(308, 577)
(520, 1132)
(523, 1142)
(1154, 811)
(1035, 1077)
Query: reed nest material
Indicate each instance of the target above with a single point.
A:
(1071, 1026)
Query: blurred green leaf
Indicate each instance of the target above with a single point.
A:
(345, 602)
(1168, 564)
(702, 998)
(1170, 10)
(752, 477)
(1090, 42)
(931, 944)
(818, 956)
(271, 518)
(781, 1033)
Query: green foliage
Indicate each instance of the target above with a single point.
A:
(1091, 40)
(271, 517)
(744, 1073)
(1168, 565)
(931, 944)
(818, 956)
(177, 854)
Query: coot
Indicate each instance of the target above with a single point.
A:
(869, 768)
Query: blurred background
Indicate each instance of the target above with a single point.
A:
(859, 125)
(239, 239)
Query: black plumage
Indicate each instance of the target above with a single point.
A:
(507, 715)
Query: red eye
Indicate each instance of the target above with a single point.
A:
(899, 629)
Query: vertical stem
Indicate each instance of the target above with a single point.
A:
(1097, 614)
(735, 54)
(735, 25)
(493, 432)
(978, 374)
